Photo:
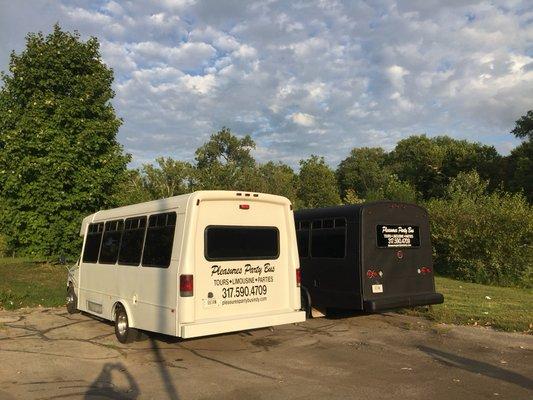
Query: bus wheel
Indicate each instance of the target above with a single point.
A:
(123, 332)
(72, 300)
(306, 302)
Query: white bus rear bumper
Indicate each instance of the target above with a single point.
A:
(240, 324)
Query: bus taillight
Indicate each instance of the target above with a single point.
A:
(186, 286)
(298, 277)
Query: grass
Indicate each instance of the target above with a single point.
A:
(503, 308)
(28, 283)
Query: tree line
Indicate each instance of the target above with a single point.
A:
(60, 161)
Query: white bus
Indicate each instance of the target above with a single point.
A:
(192, 265)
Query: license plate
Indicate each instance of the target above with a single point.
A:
(377, 288)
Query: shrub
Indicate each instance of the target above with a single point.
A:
(4, 248)
(480, 237)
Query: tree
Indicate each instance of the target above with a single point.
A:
(418, 160)
(394, 190)
(225, 162)
(59, 157)
(132, 189)
(518, 166)
(482, 237)
(524, 126)
(351, 197)
(169, 178)
(317, 186)
(363, 170)
(278, 178)
(429, 164)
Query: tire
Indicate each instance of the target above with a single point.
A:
(123, 332)
(306, 302)
(72, 300)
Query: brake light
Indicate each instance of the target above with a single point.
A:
(244, 206)
(298, 277)
(424, 270)
(186, 285)
(372, 274)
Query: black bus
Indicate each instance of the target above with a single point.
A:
(369, 257)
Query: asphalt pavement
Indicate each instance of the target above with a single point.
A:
(49, 354)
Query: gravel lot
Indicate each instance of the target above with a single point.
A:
(49, 354)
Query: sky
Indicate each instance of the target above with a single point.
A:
(301, 77)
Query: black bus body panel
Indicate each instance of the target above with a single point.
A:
(387, 261)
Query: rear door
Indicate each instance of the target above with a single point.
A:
(242, 258)
(396, 251)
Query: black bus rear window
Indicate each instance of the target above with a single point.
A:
(241, 243)
(398, 236)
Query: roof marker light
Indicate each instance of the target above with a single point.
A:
(244, 206)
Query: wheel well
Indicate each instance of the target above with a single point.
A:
(119, 304)
(116, 306)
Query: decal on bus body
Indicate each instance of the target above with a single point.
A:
(242, 284)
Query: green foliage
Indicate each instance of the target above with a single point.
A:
(225, 162)
(169, 178)
(524, 127)
(351, 197)
(363, 171)
(278, 178)
(4, 248)
(519, 170)
(131, 189)
(395, 190)
(430, 163)
(481, 237)
(317, 186)
(59, 158)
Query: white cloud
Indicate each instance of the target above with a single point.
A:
(303, 119)
(301, 77)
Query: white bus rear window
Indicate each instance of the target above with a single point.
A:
(224, 243)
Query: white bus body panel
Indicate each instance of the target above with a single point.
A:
(151, 295)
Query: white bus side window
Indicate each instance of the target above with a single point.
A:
(92, 242)
(132, 241)
(111, 242)
(159, 239)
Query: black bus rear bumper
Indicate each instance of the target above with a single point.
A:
(425, 299)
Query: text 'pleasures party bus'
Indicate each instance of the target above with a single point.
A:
(191, 265)
(369, 257)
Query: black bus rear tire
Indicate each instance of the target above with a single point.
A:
(306, 302)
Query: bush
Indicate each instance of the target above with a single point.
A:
(480, 237)
(4, 248)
